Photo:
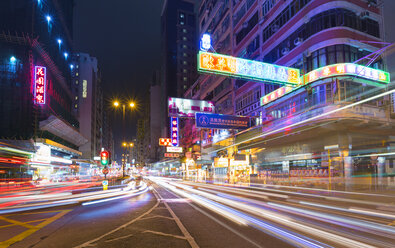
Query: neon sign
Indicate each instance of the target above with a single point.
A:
(346, 69)
(205, 42)
(179, 107)
(174, 130)
(247, 69)
(40, 83)
(276, 94)
(165, 142)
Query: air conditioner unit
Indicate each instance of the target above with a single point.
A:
(285, 50)
(275, 28)
(364, 14)
(298, 41)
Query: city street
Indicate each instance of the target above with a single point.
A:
(177, 213)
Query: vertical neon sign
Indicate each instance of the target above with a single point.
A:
(40, 81)
(174, 131)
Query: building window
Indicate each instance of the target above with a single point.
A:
(184, 62)
(184, 30)
(184, 38)
(75, 106)
(184, 46)
(182, 15)
(182, 23)
(185, 55)
(185, 70)
(76, 82)
(76, 74)
(185, 79)
(76, 97)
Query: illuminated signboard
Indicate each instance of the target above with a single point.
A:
(177, 149)
(246, 69)
(346, 69)
(205, 42)
(174, 130)
(40, 84)
(84, 88)
(276, 94)
(217, 121)
(179, 107)
(165, 142)
(172, 155)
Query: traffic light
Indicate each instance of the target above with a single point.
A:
(104, 158)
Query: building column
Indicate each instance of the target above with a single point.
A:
(348, 171)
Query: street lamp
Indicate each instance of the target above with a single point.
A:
(132, 105)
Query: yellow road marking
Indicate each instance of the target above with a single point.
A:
(19, 223)
(23, 222)
(392, 223)
(32, 230)
(42, 212)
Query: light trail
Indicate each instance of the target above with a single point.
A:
(307, 120)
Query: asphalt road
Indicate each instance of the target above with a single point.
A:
(187, 214)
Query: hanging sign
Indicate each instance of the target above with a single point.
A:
(179, 107)
(216, 121)
(174, 130)
(247, 69)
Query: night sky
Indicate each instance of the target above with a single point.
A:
(124, 35)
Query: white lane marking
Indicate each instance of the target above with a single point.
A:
(119, 238)
(184, 231)
(157, 216)
(89, 243)
(166, 234)
(219, 222)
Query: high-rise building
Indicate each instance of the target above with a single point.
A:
(35, 80)
(179, 47)
(88, 102)
(155, 116)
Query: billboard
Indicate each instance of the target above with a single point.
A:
(216, 121)
(347, 69)
(40, 84)
(172, 155)
(276, 94)
(247, 69)
(177, 149)
(179, 107)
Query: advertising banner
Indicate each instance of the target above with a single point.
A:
(216, 121)
(179, 107)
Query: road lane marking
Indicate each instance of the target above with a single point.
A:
(119, 238)
(15, 222)
(32, 229)
(157, 216)
(26, 222)
(89, 243)
(184, 231)
(166, 234)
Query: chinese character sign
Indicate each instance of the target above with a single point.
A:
(247, 69)
(40, 83)
(217, 121)
(276, 94)
(165, 142)
(347, 69)
(174, 130)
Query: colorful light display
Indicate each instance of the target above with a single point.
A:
(40, 84)
(276, 94)
(247, 69)
(165, 142)
(174, 130)
(346, 69)
(174, 149)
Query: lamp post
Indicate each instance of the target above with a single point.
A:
(127, 148)
(132, 105)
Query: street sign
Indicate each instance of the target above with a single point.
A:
(105, 184)
(216, 121)
(177, 149)
(172, 155)
(105, 171)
